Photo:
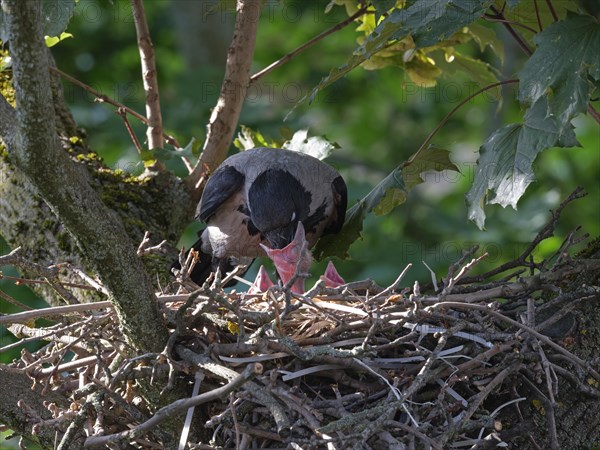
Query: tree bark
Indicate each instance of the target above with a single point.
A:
(33, 145)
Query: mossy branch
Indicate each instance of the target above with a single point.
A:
(65, 186)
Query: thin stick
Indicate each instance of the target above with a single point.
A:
(53, 311)
(552, 10)
(537, 15)
(14, 302)
(136, 142)
(102, 98)
(545, 339)
(490, 18)
(520, 41)
(270, 68)
(451, 113)
(546, 232)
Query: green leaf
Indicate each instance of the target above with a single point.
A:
(479, 71)
(393, 197)
(164, 154)
(51, 41)
(427, 21)
(383, 198)
(486, 37)
(248, 138)
(316, 146)
(527, 12)
(431, 159)
(190, 150)
(568, 54)
(513, 3)
(382, 6)
(506, 159)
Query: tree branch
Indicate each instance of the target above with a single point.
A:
(226, 113)
(36, 151)
(270, 68)
(144, 42)
(102, 98)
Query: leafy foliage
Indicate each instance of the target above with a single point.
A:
(422, 24)
(299, 141)
(556, 85)
(564, 67)
(505, 164)
(388, 194)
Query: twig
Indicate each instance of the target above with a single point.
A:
(451, 280)
(271, 67)
(491, 18)
(136, 142)
(143, 248)
(177, 407)
(548, 412)
(545, 339)
(451, 113)
(149, 75)
(537, 15)
(190, 413)
(595, 114)
(412, 430)
(52, 312)
(12, 301)
(225, 115)
(546, 232)
(49, 273)
(179, 330)
(395, 284)
(102, 98)
(520, 41)
(552, 10)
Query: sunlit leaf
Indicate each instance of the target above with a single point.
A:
(248, 138)
(51, 41)
(5, 62)
(427, 21)
(478, 70)
(486, 37)
(506, 159)
(422, 71)
(568, 53)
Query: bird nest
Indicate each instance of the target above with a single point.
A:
(356, 366)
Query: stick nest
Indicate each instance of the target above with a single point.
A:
(358, 366)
